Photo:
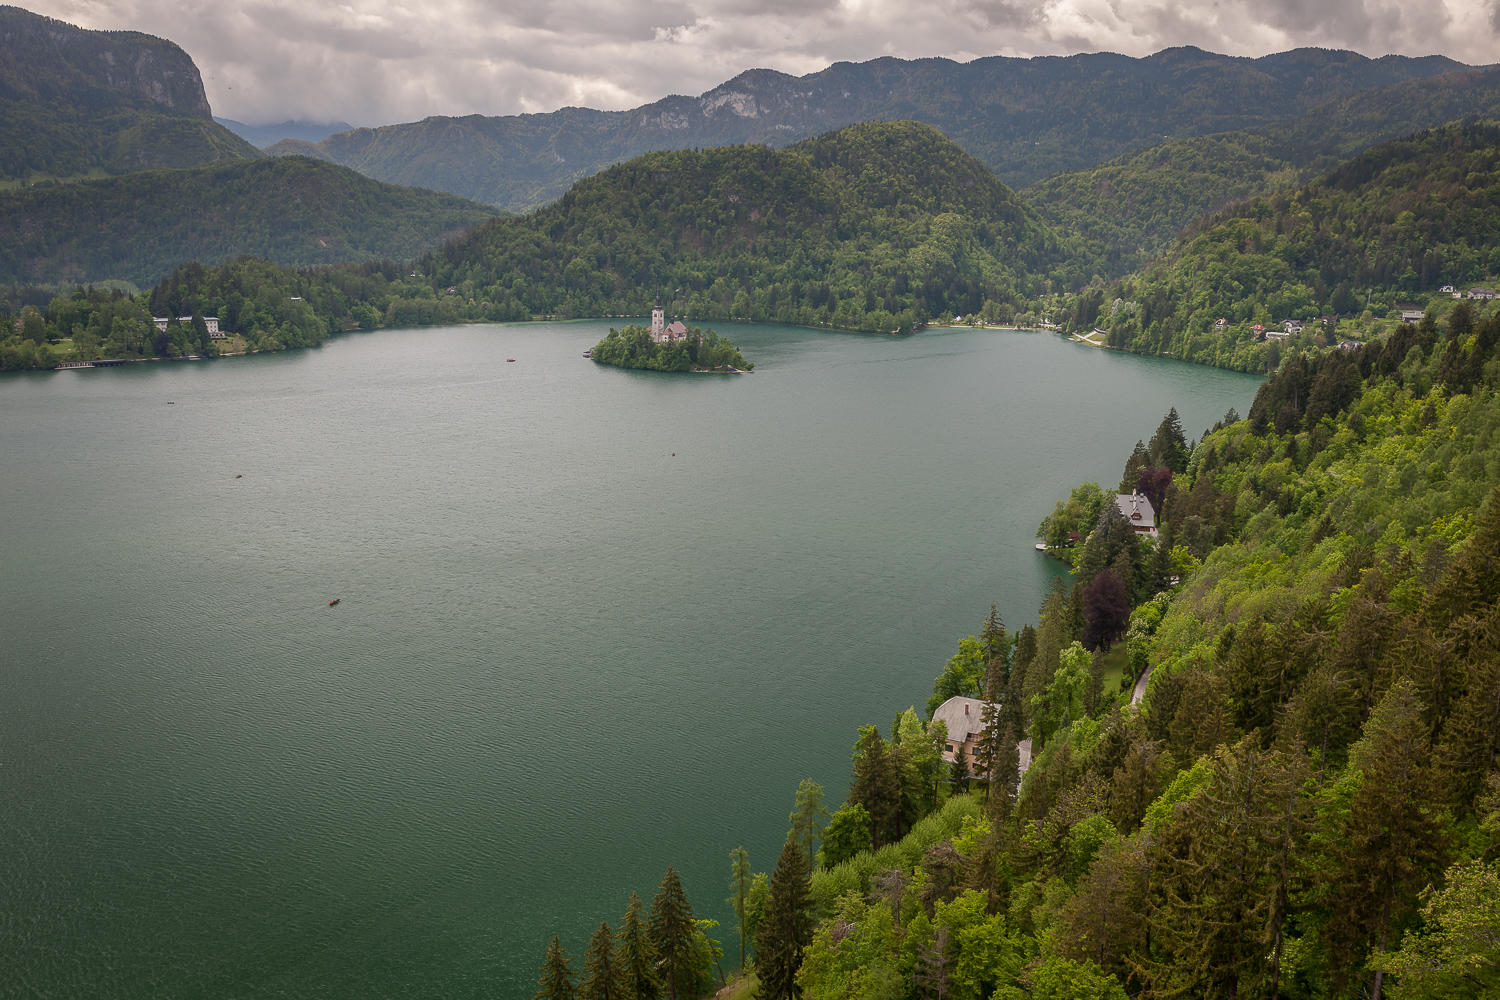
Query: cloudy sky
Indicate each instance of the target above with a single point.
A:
(370, 62)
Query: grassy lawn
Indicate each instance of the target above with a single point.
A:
(1114, 668)
(741, 987)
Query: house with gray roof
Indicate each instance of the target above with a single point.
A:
(964, 718)
(1136, 508)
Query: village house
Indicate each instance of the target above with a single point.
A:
(1221, 325)
(964, 718)
(1348, 345)
(212, 322)
(1259, 331)
(1292, 326)
(1136, 507)
(1450, 290)
(1481, 293)
(1412, 315)
(1278, 334)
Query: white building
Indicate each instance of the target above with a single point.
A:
(662, 331)
(212, 322)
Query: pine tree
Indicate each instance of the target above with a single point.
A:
(1212, 884)
(637, 956)
(1168, 447)
(556, 980)
(1138, 460)
(739, 887)
(958, 774)
(785, 929)
(876, 786)
(672, 930)
(1392, 840)
(808, 816)
(603, 977)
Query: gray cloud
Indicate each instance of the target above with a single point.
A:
(376, 61)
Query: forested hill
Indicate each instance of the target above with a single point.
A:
(1396, 222)
(1025, 118)
(874, 227)
(294, 211)
(74, 101)
(1137, 205)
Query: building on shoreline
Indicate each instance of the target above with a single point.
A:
(1136, 508)
(964, 718)
(212, 322)
(663, 332)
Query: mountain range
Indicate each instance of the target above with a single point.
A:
(1024, 118)
(262, 136)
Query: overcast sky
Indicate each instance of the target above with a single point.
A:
(371, 62)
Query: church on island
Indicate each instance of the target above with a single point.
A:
(661, 332)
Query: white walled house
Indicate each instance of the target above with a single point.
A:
(212, 322)
(1136, 508)
(964, 718)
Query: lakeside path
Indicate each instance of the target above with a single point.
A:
(1139, 691)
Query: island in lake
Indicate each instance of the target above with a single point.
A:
(673, 347)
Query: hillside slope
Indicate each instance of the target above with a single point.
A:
(1024, 118)
(1137, 205)
(74, 101)
(874, 227)
(294, 211)
(1399, 220)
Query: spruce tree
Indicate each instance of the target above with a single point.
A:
(876, 786)
(672, 930)
(1393, 839)
(556, 980)
(603, 977)
(1138, 460)
(637, 956)
(739, 888)
(1168, 447)
(959, 772)
(785, 929)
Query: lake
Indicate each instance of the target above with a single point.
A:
(591, 622)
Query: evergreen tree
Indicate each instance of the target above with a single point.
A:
(1138, 460)
(958, 774)
(672, 931)
(808, 817)
(603, 977)
(637, 956)
(556, 980)
(1168, 447)
(1392, 839)
(739, 887)
(785, 929)
(876, 786)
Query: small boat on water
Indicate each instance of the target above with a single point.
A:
(334, 601)
(510, 359)
(589, 353)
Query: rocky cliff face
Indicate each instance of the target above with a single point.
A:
(51, 62)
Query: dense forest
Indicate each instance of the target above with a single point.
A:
(295, 211)
(698, 350)
(873, 228)
(1305, 803)
(1137, 205)
(1026, 119)
(1393, 225)
(75, 102)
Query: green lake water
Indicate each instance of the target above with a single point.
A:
(563, 658)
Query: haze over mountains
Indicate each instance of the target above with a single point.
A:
(1025, 118)
(262, 136)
